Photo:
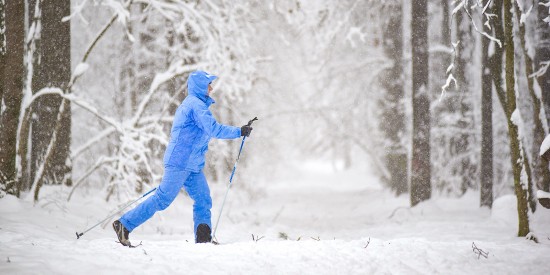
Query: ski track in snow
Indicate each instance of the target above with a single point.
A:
(337, 223)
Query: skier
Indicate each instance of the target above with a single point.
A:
(192, 129)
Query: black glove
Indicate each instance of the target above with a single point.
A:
(245, 130)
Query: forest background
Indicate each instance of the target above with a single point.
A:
(437, 96)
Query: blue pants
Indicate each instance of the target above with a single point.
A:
(173, 180)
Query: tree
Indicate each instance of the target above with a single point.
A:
(450, 153)
(12, 85)
(393, 121)
(516, 157)
(486, 178)
(462, 140)
(540, 174)
(52, 69)
(420, 167)
(2, 52)
(542, 55)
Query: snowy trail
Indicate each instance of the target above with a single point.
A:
(348, 212)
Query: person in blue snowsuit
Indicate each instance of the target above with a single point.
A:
(192, 129)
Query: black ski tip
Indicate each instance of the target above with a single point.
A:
(78, 235)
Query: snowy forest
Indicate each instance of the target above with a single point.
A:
(393, 136)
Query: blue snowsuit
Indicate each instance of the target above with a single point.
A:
(192, 129)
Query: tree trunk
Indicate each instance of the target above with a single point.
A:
(540, 173)
(463, 141)
(486, 187)
(496, 61)
(520, 189)
(13, 93)
(2, 54)
(445, 32)
(393, 122)
(542, 54)
(24, 150)
(420, 166)
(52, 70)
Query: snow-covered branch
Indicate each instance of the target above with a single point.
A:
(542, 70)
(176, 69)
(547, 4)
(463, 7)
(77, 10)
(71, 97)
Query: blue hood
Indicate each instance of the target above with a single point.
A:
(197, 85)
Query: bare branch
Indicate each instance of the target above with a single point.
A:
(49, 152)
(368, 242)
(105, 133)
(98, 164)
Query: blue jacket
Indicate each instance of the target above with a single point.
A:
(194, 126)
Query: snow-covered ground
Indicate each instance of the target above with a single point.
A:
(334, 223)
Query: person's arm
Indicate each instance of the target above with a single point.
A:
(208, 123)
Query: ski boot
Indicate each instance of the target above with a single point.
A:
(122, 233)
(203, 234)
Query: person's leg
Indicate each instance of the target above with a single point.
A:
(197, 188)
(172, 181)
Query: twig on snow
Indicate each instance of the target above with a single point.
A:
(368, 242)
(257, 238)
(532, 237)
(479, 252)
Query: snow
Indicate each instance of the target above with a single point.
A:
(545, 146)
(122, 13)
(516, 118)
(336, 223)
(80, 69)
(524, 16)
(542, 194)
(459, 6)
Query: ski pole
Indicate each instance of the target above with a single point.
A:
(231, 180)
(78, 235)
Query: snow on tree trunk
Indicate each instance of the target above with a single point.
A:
(520, 190)
(420, 164)
(541, 174)
(542, 54)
